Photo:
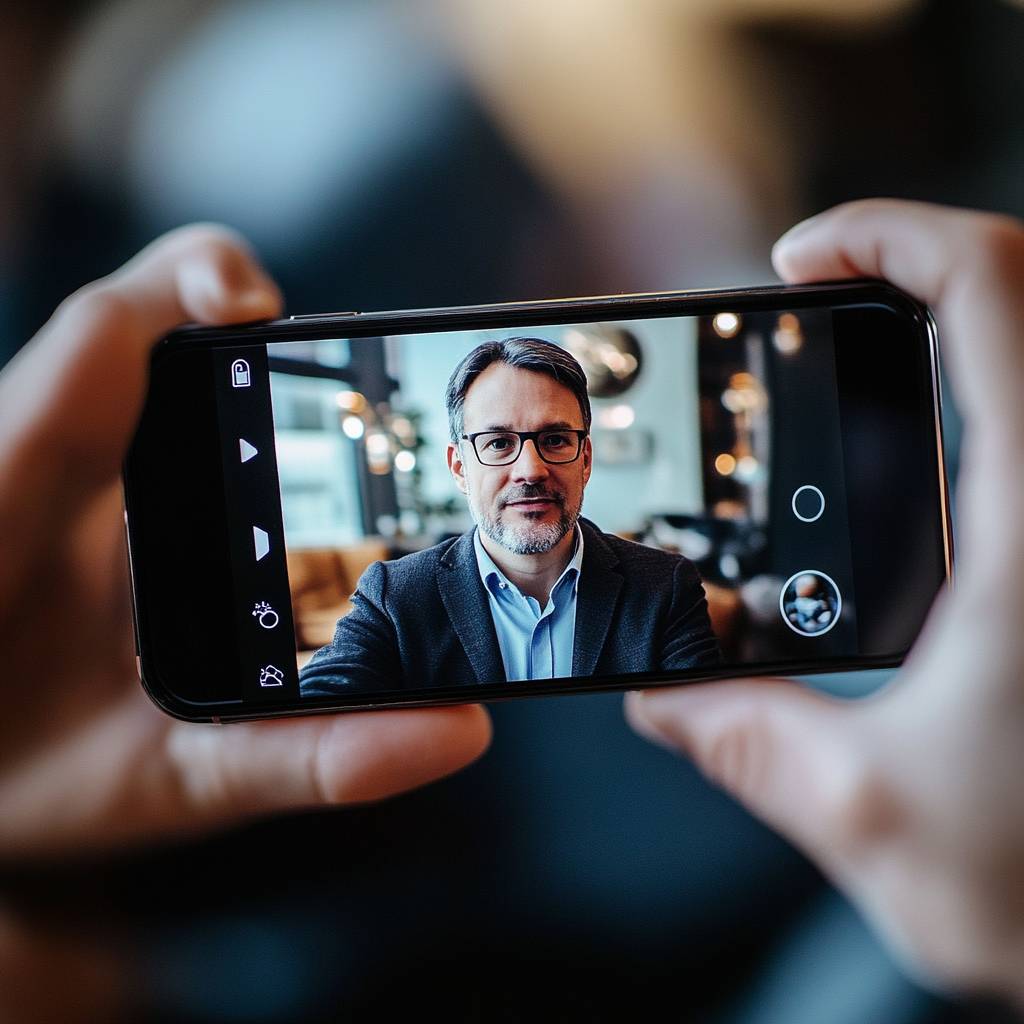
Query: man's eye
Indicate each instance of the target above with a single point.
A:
(556, 441)
(499, 444)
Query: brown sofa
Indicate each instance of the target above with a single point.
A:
(322, 582)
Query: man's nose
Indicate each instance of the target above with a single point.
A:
(529, 465)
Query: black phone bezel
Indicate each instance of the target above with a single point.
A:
(151, 593)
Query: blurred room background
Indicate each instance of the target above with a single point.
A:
(384, 154)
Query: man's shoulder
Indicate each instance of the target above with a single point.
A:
(407, 582)
(652, 570)
(419, 563)
(629, 552)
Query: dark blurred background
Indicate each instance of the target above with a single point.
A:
(386, 155)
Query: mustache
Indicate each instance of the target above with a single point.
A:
(527, 491)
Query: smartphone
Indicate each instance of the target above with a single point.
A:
(371, 510)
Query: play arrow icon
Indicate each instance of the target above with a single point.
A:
(246, 450)
(261, 541)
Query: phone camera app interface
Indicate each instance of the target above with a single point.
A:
(588, 499)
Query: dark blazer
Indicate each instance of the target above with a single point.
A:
(424, 620)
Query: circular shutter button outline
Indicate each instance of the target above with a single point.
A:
(821, 511)
(782, 602)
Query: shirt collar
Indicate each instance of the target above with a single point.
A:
(489, 571)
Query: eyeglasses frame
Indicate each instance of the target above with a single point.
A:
(529, 435)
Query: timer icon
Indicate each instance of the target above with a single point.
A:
(265, 615)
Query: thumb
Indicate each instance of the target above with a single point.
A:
(968, 266)
(139, 775)
(791, 756)
(70, 399)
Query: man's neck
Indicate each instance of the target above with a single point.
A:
(534, 575)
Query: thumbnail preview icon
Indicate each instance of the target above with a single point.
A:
(271, 675)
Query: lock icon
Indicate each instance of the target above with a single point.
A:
(240, 374)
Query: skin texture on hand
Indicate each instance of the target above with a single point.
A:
(86, 761)
(910, 800)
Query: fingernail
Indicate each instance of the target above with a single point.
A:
(257, 303)
(797, 231)
(654, 704)
(790, 239)
(641, 704)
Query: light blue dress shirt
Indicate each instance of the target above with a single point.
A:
(535, 642)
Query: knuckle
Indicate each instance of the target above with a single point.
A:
(859, 209)
(205, 781)
(998, 240)
(97, 310)
(872, 204)
(207, 233)
(98, 306)
(217, 244)
(757, 755)
(324, 787)
(737, 757)
(862, 806)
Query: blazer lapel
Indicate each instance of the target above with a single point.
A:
(596, 596)
(465, 600)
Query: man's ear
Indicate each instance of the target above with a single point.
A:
(456, 466)
(588, 459)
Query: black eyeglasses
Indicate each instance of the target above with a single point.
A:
(503, 447)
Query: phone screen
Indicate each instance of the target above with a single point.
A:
(515, 508)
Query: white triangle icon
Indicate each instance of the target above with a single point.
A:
(246, 450)
(261, 541)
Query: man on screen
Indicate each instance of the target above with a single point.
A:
(534, 591)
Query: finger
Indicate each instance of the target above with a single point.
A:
(268, 767)
(76, 389)
(968, 266)
(789, 755)
(907, 243)
(70, 399)
(148, 776)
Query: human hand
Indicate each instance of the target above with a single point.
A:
(910, 800)
(86, 761)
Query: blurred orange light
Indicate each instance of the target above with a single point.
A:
(351, 401)
(788, 336)
(725, 464)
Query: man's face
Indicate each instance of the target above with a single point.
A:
(529, 505)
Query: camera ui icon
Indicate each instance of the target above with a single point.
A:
(261, 543)
(240, 376)
(265, 615)
(271, 675)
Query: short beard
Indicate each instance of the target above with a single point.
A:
(528, 539)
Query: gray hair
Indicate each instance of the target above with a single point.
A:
(524, 354)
